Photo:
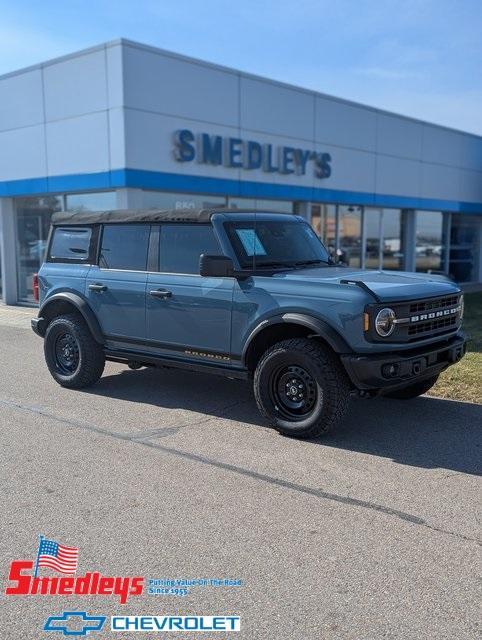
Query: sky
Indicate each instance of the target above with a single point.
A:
(421, 58)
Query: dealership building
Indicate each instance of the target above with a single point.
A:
(124, 125)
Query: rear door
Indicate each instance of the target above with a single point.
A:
(116, 287)
(188, 314)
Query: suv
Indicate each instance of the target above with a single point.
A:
(244, 295)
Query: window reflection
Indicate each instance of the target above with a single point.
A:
(102, 201)
(323, 221)
(33, 223)
(393, 254)
(464, 248)
(350, 235)
(429, 241)
(285, 206)
(372, 234)
(164, 200)
(383, 230)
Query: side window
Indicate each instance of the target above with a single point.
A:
(182, 244)
(70, 243)
(124, 246)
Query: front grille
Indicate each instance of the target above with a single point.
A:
(421, 319)
(439, 303)
(434, 325)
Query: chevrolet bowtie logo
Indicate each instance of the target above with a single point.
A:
(69, 623)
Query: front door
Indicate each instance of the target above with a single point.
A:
(116, 288)
(188, 314)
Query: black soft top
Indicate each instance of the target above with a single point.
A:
(76, 217)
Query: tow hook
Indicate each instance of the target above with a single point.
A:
(456, 354)
(366, 395)
(416, 368)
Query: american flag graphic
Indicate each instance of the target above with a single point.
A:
(57, 556)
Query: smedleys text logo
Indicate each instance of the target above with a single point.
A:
(24, 578)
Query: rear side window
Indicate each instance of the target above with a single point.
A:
(182, 244)
(70, 243)
(124, 246)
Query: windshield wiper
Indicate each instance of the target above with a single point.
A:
(304, 263)
(284, 265)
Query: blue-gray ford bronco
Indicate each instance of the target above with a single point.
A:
(246, 295)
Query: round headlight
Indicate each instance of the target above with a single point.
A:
(384, 322)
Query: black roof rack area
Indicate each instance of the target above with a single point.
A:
(79, 217)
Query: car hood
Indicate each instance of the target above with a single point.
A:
(386, 285)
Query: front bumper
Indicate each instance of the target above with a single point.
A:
(400, 369)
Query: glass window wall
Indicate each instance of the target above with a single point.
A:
(429, 243)
(393, 250)
(165, 200)
(464, 260)
(323, 221)
(102, 201)
(33, 223)
(383, 239)
(285, 206)
(350, 236)
(373, 230)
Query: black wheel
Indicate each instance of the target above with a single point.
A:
(301, 388)
(412, 391)
(73, 357)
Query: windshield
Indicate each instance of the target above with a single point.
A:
(276, 243)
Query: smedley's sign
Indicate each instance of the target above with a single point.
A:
(249, 154)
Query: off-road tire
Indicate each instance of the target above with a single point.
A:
(90, 359)
(329, 381)
(413, 391)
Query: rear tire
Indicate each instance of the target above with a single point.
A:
(75, 360)
(413, 391)
(301, 388)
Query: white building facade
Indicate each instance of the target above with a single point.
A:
(124, 125)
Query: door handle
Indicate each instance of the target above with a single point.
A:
(160, 293)
(98, 287)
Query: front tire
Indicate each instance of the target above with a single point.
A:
(414, 390)
(301, 388)
(75, 360)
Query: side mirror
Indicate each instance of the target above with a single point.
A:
(215, 266)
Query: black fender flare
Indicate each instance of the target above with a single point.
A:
(316, 325)
(82, 307)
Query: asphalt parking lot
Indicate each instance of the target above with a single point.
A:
(369, 533)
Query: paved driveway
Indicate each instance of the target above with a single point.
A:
(369, 533)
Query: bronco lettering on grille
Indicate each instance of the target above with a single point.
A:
(435, 314)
